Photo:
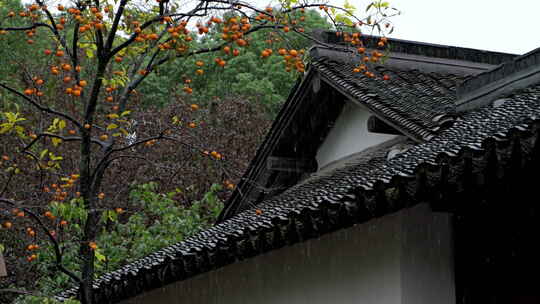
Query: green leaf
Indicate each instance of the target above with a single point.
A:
(58, 158)
(369, 6)
(20, 131)
(42, 154)
(341, 18)
(112, 215)
(349, 7)
(99, 256)
(55, 158)
(5, 127)
(10, 116)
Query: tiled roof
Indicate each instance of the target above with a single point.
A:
(418, 100)
(435, 51)
(501, 139)
(414, 102)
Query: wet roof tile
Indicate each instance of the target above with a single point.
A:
(346, 196)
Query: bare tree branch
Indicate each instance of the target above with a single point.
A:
(63, 138)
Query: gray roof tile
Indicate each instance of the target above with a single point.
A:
(323, 204)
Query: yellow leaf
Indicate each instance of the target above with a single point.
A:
(112, 126)
(5, 127)
(89, 53)
(43, 153)
(53, 157)
(56, 141)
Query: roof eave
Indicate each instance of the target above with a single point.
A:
(257, 165)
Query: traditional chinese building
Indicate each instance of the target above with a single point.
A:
(416, 189)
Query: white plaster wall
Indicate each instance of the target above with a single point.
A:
(427, 261)
(349, 135)
(362, 264)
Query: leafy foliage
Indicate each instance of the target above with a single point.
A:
(264, 81)
(167, 169)
(158, 222)
(71, 118)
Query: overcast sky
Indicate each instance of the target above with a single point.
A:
(495, 25)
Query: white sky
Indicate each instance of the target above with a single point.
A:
(495, 25)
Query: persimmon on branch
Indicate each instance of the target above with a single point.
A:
(51, 237)
(94, 65)
(38, 106)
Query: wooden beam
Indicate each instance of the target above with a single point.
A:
(375, 125)
(3, 270)
(290, 164)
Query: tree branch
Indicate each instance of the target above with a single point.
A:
(131, 39)
(6, 185)
(63, 138)
(114, 27)
(54, 29)
(26, 28)
(40, 107)
(52, 239)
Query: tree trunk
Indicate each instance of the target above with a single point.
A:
(88, 257)
(88, 189)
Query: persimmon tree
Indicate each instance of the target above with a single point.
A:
(73, 100)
